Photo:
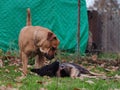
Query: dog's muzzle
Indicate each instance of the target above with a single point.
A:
(48, 56)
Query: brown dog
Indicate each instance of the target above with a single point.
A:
(36, 41)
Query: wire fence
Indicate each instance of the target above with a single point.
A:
(104, 25)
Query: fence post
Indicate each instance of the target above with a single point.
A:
(78, 33)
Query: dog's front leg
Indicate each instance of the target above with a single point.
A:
(24, 62)
(74, 73)
(58, 73)
(39, 61)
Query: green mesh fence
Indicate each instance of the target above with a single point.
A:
(58, 15)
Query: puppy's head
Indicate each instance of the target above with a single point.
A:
(49, 45)
(64, 70)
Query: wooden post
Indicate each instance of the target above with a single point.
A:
(78, 32)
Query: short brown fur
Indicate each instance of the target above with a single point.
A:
(36, 41)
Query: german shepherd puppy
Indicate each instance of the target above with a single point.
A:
(61, 70)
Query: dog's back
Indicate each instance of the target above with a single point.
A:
(73, 70)
(81, 69)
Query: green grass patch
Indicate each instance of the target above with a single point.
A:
(10, 76)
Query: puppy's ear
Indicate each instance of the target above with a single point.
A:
(51, 36)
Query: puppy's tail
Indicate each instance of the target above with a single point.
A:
(28, 23)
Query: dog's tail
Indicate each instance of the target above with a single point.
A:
(28, 23)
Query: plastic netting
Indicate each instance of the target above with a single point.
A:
(60, 16)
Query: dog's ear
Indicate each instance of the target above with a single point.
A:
(51, 36)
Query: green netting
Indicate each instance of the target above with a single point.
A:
(58, 15)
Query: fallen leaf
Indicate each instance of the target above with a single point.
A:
(71, 61)
(108, 70)
(116, 89)
(17, 70)
(43, 89)
(11, 89)
(20, 78)
(83, 89)
(7, 71)
(20, 69)
(14, 61)
(114, 68)
(64, 61)
(102, 65)
(90, 82)
(84, 62)
(1, 63)
(29, 66)
(81, 78)
(91, 67)
(77, 89)
(2, 87)
(7, 88)
(40, 82)
(117, 76)
(94, 57)
(19, 84)
(9, 85)
(43, 82)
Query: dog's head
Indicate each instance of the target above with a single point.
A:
(48, 45)
(64, 70)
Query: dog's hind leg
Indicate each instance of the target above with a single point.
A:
(24, 62)
(74, 72)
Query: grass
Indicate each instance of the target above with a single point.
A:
(109, 56)
(10, 77)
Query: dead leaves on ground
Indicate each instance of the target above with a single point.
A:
(77, 89)
(90, 82)
(108, 65)
(46, 81)
(7, 88)
(93, 62)
(43, 89)
(10, 59)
